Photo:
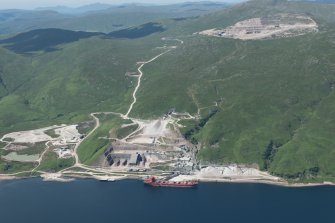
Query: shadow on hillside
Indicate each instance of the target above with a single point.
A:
(47, 39)
(137, 32)
(43, 40)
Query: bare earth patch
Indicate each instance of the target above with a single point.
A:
(230, 173)
(67, 134)
(151, 131)
(13, 156)
(278, 25)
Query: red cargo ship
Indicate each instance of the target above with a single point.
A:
(161, 183)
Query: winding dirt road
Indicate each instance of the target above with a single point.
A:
(139, 81)
(97, 121)
(97, 125)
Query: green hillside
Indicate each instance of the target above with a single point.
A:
(268, 103)
(274, 96)
(65, 85)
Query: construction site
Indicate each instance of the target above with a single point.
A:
(29, 146)
(154, 145)
(274, 26)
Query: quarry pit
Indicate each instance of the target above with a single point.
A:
(275, 26)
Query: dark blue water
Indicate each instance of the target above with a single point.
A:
(34, 201)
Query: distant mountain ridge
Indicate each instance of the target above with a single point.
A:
(91, 8)
(322, 1)
(77, 10)
(99, 17)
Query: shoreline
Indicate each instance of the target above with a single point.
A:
(268, 182)
(7, 178)
(111, 179)
(232, 173)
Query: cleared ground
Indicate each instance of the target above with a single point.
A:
(13, 156)
(66, 134)
(279, 25)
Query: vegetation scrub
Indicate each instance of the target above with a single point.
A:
(139, 81)
(126, 116)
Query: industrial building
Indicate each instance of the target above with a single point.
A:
(135, 159)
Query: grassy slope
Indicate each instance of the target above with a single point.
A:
(273, 90)
(66, 85)
(51, 162)
(8, 167)
(121, 133)
(94, 146)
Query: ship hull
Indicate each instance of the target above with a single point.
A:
(171, 184)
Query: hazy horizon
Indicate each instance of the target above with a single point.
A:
(33, 4)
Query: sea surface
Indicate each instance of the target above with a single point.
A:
(34, 201)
